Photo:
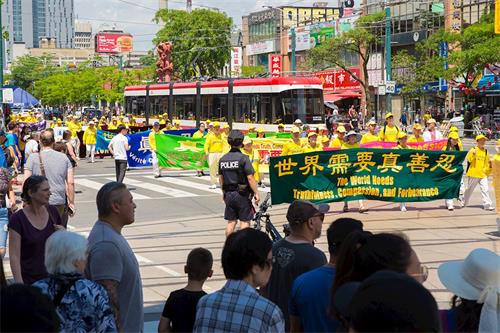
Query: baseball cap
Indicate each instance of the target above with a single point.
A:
(402, 134)
(372, 122)
(91, 122)
(281, 125)
(295, 130)
(453, 129)
(225, 126)
(260, 130)
(177, 122)
(325, 138)
(389, 115)
(417, 126)
(216, 124)
(247, 140)
(312, 134)
(431, 121)
(453, 135)
(297, 121)
(393, 302)
(341, 129)
(339, 229)
(481, 137)
(156, 123)
(251, 127)
(300, 211)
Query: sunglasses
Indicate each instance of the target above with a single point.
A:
(424, 273)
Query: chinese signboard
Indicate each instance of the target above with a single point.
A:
(338, 79)
(404, 175)
(275, 65)
(113, 42)
(236, 61)
(267, 46)
(453, 15)
(302, 39)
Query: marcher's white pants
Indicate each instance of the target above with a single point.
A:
(483, 186)
(213, 164)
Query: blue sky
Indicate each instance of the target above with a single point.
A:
(135, 16)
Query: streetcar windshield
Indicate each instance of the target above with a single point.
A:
(305, 104)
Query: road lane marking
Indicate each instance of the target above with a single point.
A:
(186, 183)
(160, 189)
(167, 270)
(97, 186)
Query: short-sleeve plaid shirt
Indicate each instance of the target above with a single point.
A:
(237, 307)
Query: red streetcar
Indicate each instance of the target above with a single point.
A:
(263, 102)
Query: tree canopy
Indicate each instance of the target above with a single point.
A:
(200, 40)
(28, 69)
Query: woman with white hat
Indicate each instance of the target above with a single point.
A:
(475, 283)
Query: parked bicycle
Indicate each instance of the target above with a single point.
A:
(262, 216)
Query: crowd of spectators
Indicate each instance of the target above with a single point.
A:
(371, 282)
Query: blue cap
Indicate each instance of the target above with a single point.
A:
(156, 123)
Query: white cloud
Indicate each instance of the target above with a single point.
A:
(104, 14)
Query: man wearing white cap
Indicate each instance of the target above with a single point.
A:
(89, 140)
(298, 124)
(432, 133)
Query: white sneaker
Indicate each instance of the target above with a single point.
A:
(489, 208)
(212, 187)
(403, 208)
(451, 208)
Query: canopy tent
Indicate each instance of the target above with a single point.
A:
(21, 98)
(489, 84)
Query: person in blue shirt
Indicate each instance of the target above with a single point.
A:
(310, 295)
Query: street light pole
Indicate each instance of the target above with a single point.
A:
(388, 60)
(294, 64)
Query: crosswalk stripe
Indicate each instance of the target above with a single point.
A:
(186, 183)
(160, 189)
(97, 186)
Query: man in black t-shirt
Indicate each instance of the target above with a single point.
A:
(295, 254)
(179, 312)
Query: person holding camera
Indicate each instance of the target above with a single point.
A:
(238, 184)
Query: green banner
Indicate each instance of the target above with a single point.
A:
(180, 152)
(397, 175)
(277, 135)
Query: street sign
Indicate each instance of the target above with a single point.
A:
(390, 87)
(8, 95)
(381, 90)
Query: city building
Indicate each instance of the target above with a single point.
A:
(83, 35)
(35, 19)
(8, 25)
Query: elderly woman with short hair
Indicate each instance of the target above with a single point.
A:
(82, 305)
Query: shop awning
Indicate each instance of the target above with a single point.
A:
(488, 84)
(341, 95)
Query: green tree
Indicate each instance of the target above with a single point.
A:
(249, 71)
(200, 39)
(337, 52)
(27, 69)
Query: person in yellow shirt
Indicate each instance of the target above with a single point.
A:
(121, 121)
(163, 119)
(402, 141)
(312, 143)
(351, 140)
(294, 146)
(325, 141)
(322, 132)
(200, 133)
(478, 170)
(453, 145)
(59, 123)
(224, 134)
(496, 177)
(371, 135)
(213, 148)
(251, 130)
(253, 155)
(281, 128)
(260, 133)
(389, 133)
(339, 138)
(454, 129)
(74, 127)
(417, 134)
(132, 121)
(114, 124)
(152, 145)
(177, 125)
(89, 140)
(102, 123)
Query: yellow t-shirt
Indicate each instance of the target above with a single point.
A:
(368, 137)
(225, 145)
(90, 136)
(152, 140)
(112, 126)
(255, 160)
(101, 124)
(479, 164)
(414, 139)
(336, 143)
(74, 128)
(198, 135)
(388, 134)
(346, 145)
(308, 148)
(291, 148)
(214, 143)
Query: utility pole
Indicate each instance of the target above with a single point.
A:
(189, 5)
(294, 65)
(388, 60)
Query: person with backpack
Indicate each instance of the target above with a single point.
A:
(81, 304)
(390, 132)
(478, 170)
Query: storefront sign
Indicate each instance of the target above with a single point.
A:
(275, 65)
(236, 61)
(338, 79)
(267, 46)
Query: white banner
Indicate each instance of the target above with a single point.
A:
(267, 46)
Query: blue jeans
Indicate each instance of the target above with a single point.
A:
(4, 220)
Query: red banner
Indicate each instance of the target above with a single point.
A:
(275, 65)
(338, 79)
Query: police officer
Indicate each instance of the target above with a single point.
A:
(238, 184)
